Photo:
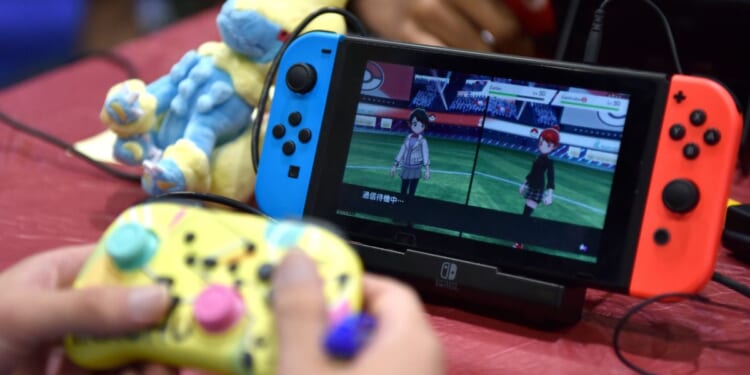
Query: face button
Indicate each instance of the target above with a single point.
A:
(218, 308)
(189, 237)
(288, 148)
(166, 281)
(679, 97)
(677, 132)
(661, 236)
(278, 131)
(173, 303)
(698, 117)
(260, 342)
(301, 78)
(711, 137)
(295, 118)
(342, 279)
(680, 196)
(305, 135)
(190, 260)
(691, 151)
(131, 246)
(247, 360)
(265, 272)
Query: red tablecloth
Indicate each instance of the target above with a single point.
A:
(49, 199)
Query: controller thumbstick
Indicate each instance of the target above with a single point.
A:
(346, 338)
(680, 196)
(131, 246)
(301, 78)
(218, 308)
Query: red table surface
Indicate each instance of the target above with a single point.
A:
(49, 199)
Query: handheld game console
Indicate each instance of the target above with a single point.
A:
(637, 177)
(217, 266)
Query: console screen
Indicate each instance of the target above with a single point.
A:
(525, 165)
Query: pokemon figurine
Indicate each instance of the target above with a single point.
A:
(190, 129)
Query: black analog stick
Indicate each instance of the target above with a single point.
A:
(301, 78)
(680, 196)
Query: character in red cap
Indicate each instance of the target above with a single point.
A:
(534, 189)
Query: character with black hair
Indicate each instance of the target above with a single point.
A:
(414, 153)
(534, 189)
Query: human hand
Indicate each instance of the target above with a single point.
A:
(393, 171)
(480, 25)
(38, 309)
(522, 189)
(547, 198)
(427, 173)
(402, 343)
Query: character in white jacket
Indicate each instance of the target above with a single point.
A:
(414, 153)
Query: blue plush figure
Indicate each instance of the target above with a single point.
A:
(190, 128)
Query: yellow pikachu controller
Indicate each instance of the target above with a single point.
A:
(217, 266)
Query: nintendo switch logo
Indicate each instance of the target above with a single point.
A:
(448, 271)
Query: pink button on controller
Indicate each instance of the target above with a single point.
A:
(218, 307)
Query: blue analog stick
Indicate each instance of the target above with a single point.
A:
(131, 246)
(346, 339)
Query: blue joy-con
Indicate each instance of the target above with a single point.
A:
(294, 124)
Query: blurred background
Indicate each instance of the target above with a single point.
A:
(36, 35)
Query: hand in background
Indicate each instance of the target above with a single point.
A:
(393, 171)
(403, 341)
(427, 173)
(38, 309)
(480, 25)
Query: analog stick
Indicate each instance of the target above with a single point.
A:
(301, 78)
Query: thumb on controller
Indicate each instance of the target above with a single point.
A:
(299, 311)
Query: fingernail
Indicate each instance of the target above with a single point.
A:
(295, 268)
(147, 304)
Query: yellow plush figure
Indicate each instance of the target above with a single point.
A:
(190, 129)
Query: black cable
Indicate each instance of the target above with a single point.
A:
(67, 147)
(351, 20)
(567, 29)
(718, 277)
(111, 56)
(116, 59)
(670, 37)
(637, 308)
(731, 284)
(591, 54)
(208, 197)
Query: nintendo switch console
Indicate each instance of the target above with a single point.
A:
(218, 267)
(567, 173)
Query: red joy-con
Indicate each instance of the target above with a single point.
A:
(684, 216)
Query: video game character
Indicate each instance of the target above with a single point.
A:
(413, 153)
(534, 189)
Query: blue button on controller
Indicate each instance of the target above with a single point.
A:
(131, 246)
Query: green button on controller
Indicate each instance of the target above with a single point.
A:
(131, 246)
